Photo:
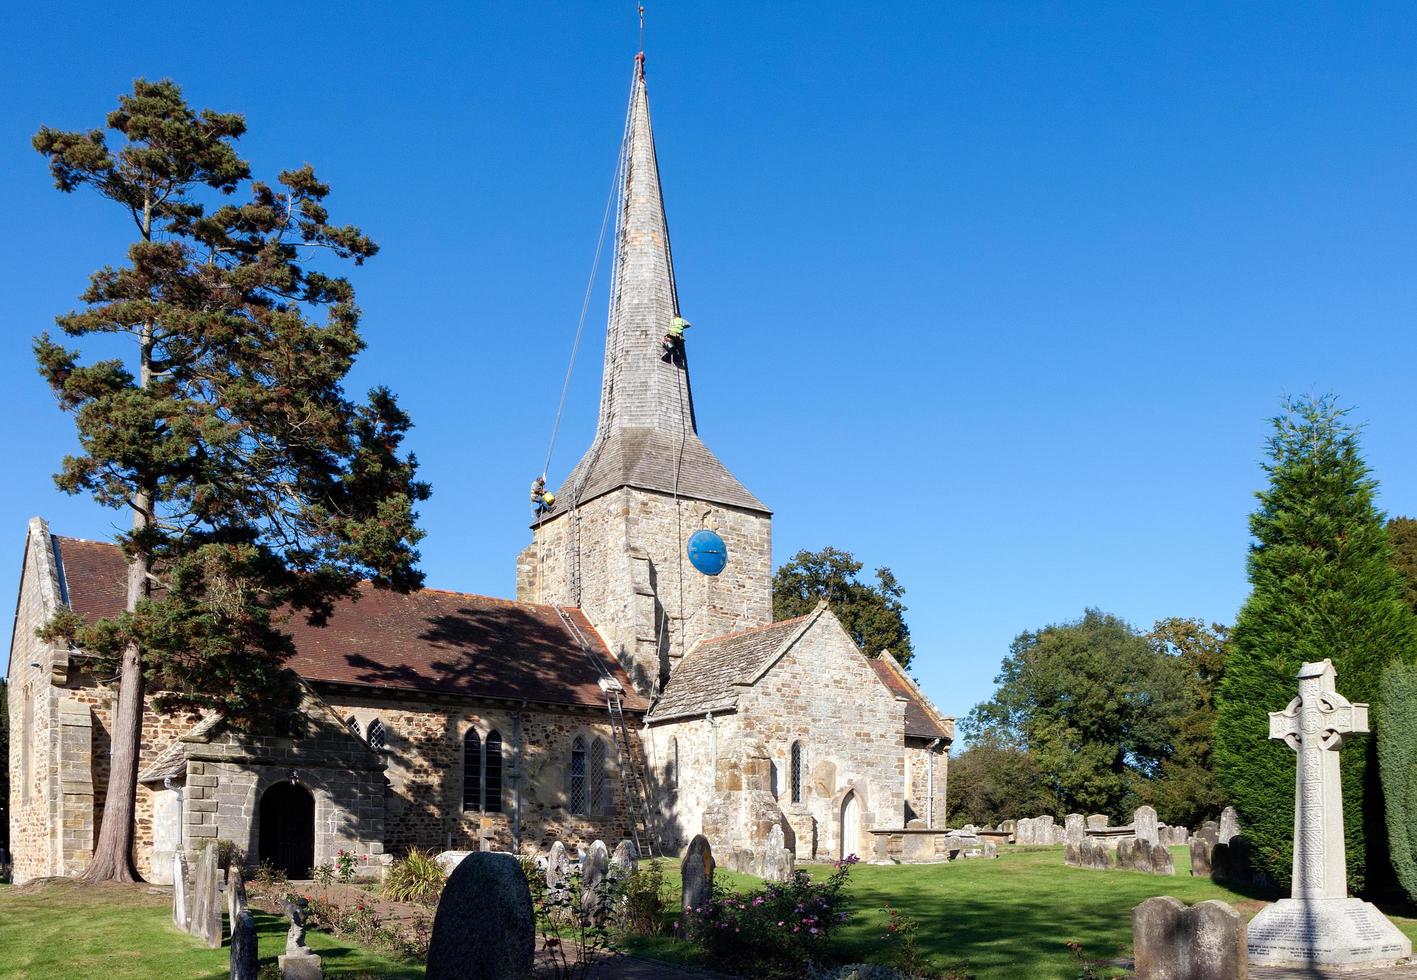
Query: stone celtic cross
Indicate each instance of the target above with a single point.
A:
(1313, 726)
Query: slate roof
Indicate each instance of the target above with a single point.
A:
(647, 434)
(921, 718)
(430, 641)
(703, 682)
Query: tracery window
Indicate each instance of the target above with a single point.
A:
(492, 774)
(352, 723)
(471, 771)
(377, 735)
(599, 785)
(578, 775)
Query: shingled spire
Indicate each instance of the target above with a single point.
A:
(647, 435)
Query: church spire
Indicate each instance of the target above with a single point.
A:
(641, 387)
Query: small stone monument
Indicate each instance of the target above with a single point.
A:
(777, 858)
(696, 870)
(243, 946)
(594, 867)
(1319, 925)
(205, 921)
(1229, 825)
(556, 862)
(485, 928)
(299, 962)
(625, 859)
(180, 911)
(1201, 847)
(1096, 821)
(1043, 830)
(1144, 824)
(235, 895)
(1173, 942)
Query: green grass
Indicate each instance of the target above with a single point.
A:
(69, 931)
(999, 919)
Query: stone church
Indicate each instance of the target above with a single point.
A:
(625, 692)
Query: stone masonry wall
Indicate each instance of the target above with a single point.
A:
(424, 755)
(637, 586)
(824, 693)
(682, 796)
(918, 757)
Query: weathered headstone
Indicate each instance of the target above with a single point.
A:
(205, 923)
(1319, 925)
(1201, 846)
(1097, 856)
(485, 928)
(1229, 825)
(299, 961)
(243, 947)
(1144, 824)
(625, 859)
(1173, 942)
(696, 871)
(991, 850)
(777, 859)
(1096, 821)
(1075, 826)
(1010, 827)
(1162, 862)
(235, 895)
(181, 910)
(449, 860)
(1043, 830)
(594, 867)
(556, 870)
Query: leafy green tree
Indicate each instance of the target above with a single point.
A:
(1093, 703)
(1402, 533)
(257, 490)
(872, 614)
(1323, 586)
(1397, 761)
(1186, 792)
(990, 782)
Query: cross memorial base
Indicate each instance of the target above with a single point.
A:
(1337, 933)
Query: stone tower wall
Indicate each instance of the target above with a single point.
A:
(637, 586)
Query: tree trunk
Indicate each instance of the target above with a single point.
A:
(113, 851)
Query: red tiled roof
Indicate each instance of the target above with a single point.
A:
(921, 719)
(431, 640)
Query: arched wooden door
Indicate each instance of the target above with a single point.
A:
(850, 825)
(288, 829)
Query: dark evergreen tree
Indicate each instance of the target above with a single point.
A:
(1402, 532)
(1397, 761)
(1323, 587)
(1186, 792)
(257, 490)
(872, 614)
(1095, 706)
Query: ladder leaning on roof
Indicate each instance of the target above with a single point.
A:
(632, 782)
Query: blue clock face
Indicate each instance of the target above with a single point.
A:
(707, 552)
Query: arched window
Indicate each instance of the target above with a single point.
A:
(492, 774)
(796, 774)
(599, 785)
(578, 775)
(376, 734)
(352, 723)
(471, 771)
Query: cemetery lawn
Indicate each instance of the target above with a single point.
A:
(65, 930)
(998, 920)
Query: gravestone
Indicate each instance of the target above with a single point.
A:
(449, 860)
(1043, 830)
(777, 859)
(1075, 827)
(1201, 846)
(299, 962)
(1319, 925)
(1229, 825)
(696, 870)
(1173, 942)
(205, 922)
(235, 896)
(556, 870)
(485, 928)
(594, 867)
(991, 850)
(181, 911)
(1096, 821)
(625, 859)
(1098, 857)
(1162, 863)
(243, 947)
(1010, 827)
(1144, 824)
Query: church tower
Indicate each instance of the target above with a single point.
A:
(615, 544)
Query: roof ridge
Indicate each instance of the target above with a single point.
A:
(752, 629)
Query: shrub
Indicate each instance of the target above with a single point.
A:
(416, 877)
(268, 876)
(344, 865)
(1397, 763)
(780, 930)
(226, 852)
(639, 900)
(323, 874)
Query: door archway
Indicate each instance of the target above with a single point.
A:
(850, 825)
(288, 829)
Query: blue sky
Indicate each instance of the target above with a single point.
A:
(999, 295)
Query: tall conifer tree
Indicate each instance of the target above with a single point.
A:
(256, 489)
(1323, 587)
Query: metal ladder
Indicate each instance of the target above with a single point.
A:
(632, 782)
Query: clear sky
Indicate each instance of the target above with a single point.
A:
(998, 295)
